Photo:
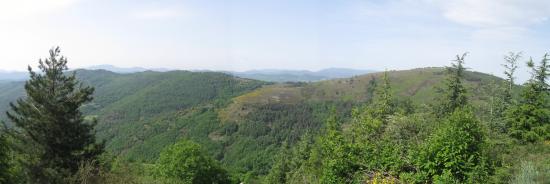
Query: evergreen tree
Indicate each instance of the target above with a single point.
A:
(374, 116)
(510, 69)
(5, 176)
(501, 96)
(384, 103)
(338, 164)
(529, 120)
(497, 106)
(540, 73)
(368, 122)
(454, 91)
(373, 151)
(50, 120)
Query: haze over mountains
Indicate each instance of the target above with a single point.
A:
(270, 75)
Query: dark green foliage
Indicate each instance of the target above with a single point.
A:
(284, 121)
(186, 162)
(155, 134)
(529, 120)
(454, 91)
(141, 113)
(5, 173)
(455, 152)
(50, 121)
(266, 128)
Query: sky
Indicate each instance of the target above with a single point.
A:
(242, 35)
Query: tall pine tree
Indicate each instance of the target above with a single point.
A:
(338, 164)
(49, 119)
(510, 66)
(529, 120)
(454, 91)
(384, 103)
(501, 95)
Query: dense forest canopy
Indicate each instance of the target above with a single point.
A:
(426, 125)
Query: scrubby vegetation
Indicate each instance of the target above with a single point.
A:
(428, 125)
(447, 143)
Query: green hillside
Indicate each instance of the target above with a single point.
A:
(239, 121)
(141, 113)
(143, 110)
(418, 85)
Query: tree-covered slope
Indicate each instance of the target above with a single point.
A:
(418, 85)
(241, 122)
(262, 119)
(138, 110)
(9, 91)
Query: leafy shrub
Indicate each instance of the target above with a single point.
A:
(455, 152)
(186, 162)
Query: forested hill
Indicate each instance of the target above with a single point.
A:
(241, 122)
(127, 104)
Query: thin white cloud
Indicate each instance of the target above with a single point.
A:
(159, 14)
(13, 10)
(501, 34)
(433, 30)
(495, 13)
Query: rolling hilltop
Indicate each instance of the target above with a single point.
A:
(241, 122)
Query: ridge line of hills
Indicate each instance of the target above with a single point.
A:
(271, 75)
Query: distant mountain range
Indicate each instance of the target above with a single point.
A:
(13, 75)
(124, 70)
(300, 75)
(271, 75)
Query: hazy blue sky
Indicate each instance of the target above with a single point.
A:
(284, 34)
